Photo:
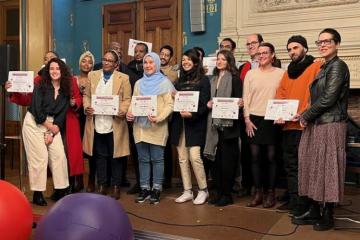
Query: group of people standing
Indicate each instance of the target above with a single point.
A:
(313, 142)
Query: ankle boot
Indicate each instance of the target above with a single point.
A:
(38, 199)
(79, 183)
(270, 199)
(71, 184)
(91, 184)
(58, 194)
(326, 221)
(258, 198)
(310, 217)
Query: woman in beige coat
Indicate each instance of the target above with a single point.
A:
(106, 137)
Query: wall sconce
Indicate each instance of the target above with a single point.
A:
(85, 45)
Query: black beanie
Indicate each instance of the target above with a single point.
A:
(299, 39)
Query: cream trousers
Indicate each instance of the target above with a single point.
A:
(39, 156)
(192, 154)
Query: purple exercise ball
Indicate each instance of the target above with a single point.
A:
(85, 216)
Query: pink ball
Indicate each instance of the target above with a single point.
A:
(15, 213)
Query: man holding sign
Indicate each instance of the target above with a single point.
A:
(295, 86)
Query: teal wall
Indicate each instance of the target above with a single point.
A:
(87, 26)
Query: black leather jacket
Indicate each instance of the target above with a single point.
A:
(329, 93)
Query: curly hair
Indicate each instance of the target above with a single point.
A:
(231, 65)
(65, 78)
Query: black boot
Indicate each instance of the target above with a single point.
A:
(38, 199)
(310, 217)
(327, 219)
(71, 185)
(79, 183)
(58, 194)
(302, 206)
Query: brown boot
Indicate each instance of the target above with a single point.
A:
(91, 184)
(270, 200)
(257, 200)
(102, 190)
(115, 192)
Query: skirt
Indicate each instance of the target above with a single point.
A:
(322, 162)
(267, 132)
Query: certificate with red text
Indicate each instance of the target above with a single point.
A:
(225, 108)
(142, 106)
(281, 109)
(21, 81)
(186, 101)
(105, 104)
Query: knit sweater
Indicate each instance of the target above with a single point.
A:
(297, 89)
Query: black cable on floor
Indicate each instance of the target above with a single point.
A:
(214, 225)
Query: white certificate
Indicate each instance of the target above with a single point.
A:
(225, 108)
(210, 63)
(21, 81)
(105, 104)
(284, 109)
(142, 106)
(132, 44)
(186, 101)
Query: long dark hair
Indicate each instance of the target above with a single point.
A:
(65, 79)
(195, 74)
(231, 65)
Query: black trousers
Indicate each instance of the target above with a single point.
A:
(290, 146)
(103, 155)
(246, 172)
(226, 158)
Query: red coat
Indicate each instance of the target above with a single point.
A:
(72, 133)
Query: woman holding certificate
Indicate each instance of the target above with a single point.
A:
(223, 133)
(189, 128)
(41, 130)
(106, 100)
(151, 107)
(322, 146)
(259, 86)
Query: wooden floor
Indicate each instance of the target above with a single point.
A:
(209, 222)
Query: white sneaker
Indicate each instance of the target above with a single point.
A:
(201, 197)
(186, 196)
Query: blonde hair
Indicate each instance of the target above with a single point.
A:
(87, 54)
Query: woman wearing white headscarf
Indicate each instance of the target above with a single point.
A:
(151, 133)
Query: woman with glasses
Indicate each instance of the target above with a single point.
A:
(260, 86)
(322, 146)
(106, 137)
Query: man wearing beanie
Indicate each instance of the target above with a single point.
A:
(295, 85)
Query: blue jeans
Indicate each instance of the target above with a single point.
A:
(150, 154)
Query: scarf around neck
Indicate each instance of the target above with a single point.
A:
(295, 69)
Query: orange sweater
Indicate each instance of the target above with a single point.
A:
(297, 89)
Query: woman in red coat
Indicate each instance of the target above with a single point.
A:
(72, 139)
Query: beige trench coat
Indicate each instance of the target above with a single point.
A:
(121, 87)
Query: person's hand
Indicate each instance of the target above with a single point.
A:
(152, 119)
(250, 127)
(210, 104)
(303, 122)
(206, 69)
(130, 117)
(89, 111)
(48, 138)
(279, 121)
(296, 118)
(54, 129)
(241, 103)
(121, 115)
(72, 102)
(185, 114)
(8, 85)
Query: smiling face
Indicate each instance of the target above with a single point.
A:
(221, 62)
(165, 56)
(86, 64)
(149, 65)
(296, 51)
(109, 62)
(187, 63)
(252, 45)
(54, 71)
(327, 46)
(265, 56)
(139, 52)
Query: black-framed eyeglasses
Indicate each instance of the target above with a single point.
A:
(253, 43)
(325, 42)
(105, 60)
